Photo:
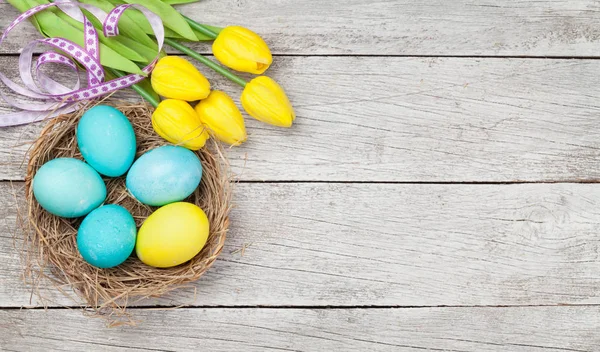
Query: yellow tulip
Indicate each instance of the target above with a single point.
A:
(220, 114)
(266, 101)
(176, 78)
(177, 122)
(242, 50)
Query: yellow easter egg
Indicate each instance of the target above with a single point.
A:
(172, 235)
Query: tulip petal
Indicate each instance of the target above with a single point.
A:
(220, 114)
(266, 101)
(177, 122)
(176, 78)
(242, 50)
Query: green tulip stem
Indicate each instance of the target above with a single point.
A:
(218, 68)
(201, 28)
(141, 91)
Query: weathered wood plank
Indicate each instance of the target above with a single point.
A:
(522, 329)
(388, 245)
(461, 27)
(413, 120)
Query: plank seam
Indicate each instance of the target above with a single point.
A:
(324, 182)
(313, 307)
(416, 56)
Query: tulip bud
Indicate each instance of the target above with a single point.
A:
(219, 113)
(266, 101)
(176, 78)
(177, 122)
(242, 50)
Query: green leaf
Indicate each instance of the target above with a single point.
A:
(139, 19)
(142, 22)
(177, 2)
(201, 37)
(135, 17)
(145, 84)
(127, 26)
(214, 29)
(171, 18)
(112, 43)
(53, 26)
(20, 5)
(148, 53)
(23, 6)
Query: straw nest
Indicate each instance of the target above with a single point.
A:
(52, 240)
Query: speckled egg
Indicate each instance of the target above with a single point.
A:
(164, 175)
(107, 236)
(106, 140)
(68, 187)
(172, 235)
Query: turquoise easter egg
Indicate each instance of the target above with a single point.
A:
(107, 236)
(106, 140)
(68, 187)
(164, 175)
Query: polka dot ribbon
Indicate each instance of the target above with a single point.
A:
(57, 98)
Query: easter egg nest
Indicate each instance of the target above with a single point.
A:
(51, 252)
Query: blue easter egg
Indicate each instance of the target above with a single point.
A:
(106, 140)
(107, 236)
(68, 187)
(164, 175)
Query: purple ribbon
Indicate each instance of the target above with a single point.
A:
(57, 98)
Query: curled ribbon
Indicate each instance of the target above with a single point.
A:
(58, 98)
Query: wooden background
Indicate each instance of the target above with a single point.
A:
(438, 191)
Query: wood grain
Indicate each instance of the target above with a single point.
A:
(438, 27)
(572, 329)
(502, 267)
(386, 245)
(412, 120)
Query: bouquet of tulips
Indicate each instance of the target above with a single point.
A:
(173, 77)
